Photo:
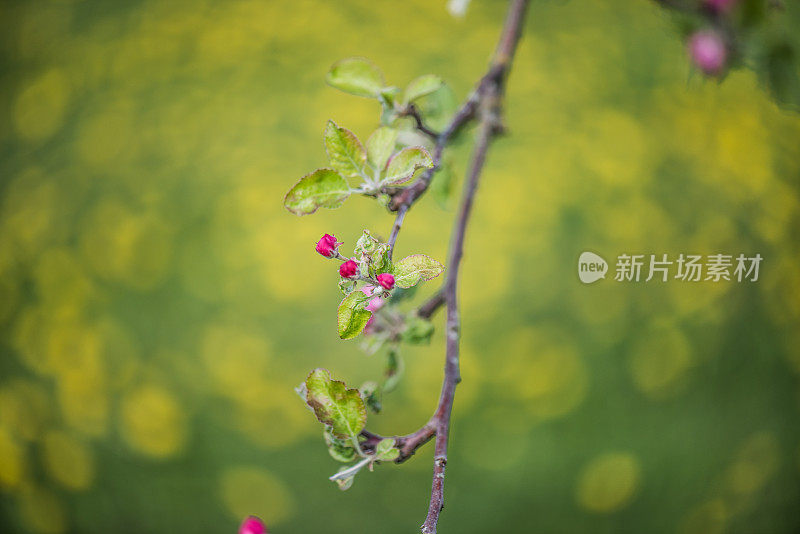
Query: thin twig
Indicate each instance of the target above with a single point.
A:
(412, 111)
(429, 307)
(483, 104)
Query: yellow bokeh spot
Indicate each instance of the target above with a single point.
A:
(608, 483)
(755, 463)
(68, 460)
(248, 490)
(545, 371)
(707, 518)
(234, 356)
(40, 106)
(153, 423)
(107, 136)
(659, 358)
(31, 205)
(42, 511)
(12, 460)
(84, 404)
(24, 408)
(270, 416)
(129, 247)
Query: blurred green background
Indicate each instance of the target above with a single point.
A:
(158, 305)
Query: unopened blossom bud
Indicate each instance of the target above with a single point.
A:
(348, 269)
(327, 245)
(368, 326)
(719, 6)
(375, 304)
(252, 525)
(386, 280)
(708, 51)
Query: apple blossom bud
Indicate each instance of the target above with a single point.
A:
(253, 525)
(368, 326)
(375, 304)
(370, 290)
(386, 280)
(708, 51)
(327, 245)
(348, 269)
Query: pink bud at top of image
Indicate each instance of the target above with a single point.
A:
(348, 269)
(375, 304)
(253, 525)
(386, 280)
(719, 6)
(327, 245)
(708, 51)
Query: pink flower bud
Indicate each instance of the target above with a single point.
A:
(252, 525)
(348, 269)
(375, 304)
(386, 280)
(327, 245)
(719, 6)
(370, 290)
(368, 326)
(708, 51)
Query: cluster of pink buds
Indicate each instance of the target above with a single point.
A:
(329, 247)
(253, 525)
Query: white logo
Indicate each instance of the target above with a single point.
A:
(591, 267)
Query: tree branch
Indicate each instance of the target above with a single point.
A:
(483, 104)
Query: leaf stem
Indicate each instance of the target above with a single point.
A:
(352, 470)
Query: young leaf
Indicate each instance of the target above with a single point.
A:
(403, 164)
(438, 107)
(323, 188)
(380, 146)
(335, 405)
(357, 76)
(352, 316)
(345, 152)
(370, 392)
(386, 451)
(424, 85)
(418, 331)
(394, 370)
(411, 269)
(339, 449)
(345, 483)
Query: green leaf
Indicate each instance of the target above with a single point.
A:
(418, 331)
(424, 85)
(323, 188)
(339, 449)
(380, 146)
(357, 76)
(403, 164)
(411, 269)
(345, 152)
(394, 370)
(345, 483)
(386, 451)
(352, 316)
(438, 107)
(370, 392)
(336, 405)
(441, 185)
